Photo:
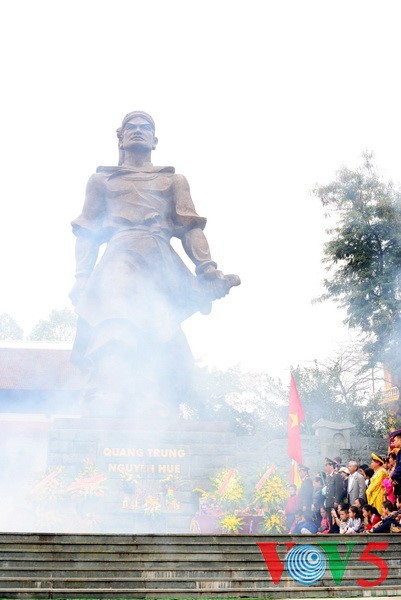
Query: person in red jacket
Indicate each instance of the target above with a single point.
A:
(371, 516)
(291, 507)
(325, 523)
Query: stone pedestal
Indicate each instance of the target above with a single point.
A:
(136, 477)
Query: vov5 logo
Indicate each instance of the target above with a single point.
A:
(307, 563)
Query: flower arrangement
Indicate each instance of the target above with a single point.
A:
(171, 482)
(151, 506)
(274, 523)
(272, 494)
(90, 482)
(129, 482)
(170, 501)
(231, 524)
(49, 486)
(169, 485)
(234, 511)
(228, 488)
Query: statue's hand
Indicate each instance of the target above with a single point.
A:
(218, 284)
(78, 289)
(211, 273)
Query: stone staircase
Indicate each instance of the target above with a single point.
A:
(193, 566)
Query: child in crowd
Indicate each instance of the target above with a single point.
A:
(307, 524)
(371, 516)
(291, 506)
(395, 517)
(384, 525)
(303, 524)
(324, 522)
(342, 519)
(360, 503)
(355, 524)
(392, 460)
(388, 509)
(295, 527)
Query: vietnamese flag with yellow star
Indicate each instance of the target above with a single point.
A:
(295, 418)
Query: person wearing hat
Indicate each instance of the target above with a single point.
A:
(338, 462)
(305, 490)
(395, 438)
(334, 489)
(375, 492)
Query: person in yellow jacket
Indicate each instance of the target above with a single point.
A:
(375, 491)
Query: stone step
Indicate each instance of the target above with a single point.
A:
(147, 546)
(174, 539)
(87, 564)
(86, 541)
(251, 550)
(162, 567)
(207, 592)
(177, 566)
(164, 583)
(122, 564)
(240, 572)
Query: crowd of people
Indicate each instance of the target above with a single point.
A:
(348, 499)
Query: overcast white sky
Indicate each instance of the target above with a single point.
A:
(254, 102)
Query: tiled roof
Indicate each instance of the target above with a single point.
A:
(38, 368)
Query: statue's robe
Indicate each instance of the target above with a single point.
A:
(140, 291)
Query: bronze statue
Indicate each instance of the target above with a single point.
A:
(132, 301)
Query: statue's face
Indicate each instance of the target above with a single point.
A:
(138, 134)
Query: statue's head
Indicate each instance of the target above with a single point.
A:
(133, 115)
(137, 131)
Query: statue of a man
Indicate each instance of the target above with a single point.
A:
(132, 301)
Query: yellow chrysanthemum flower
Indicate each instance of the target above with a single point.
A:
(231, 524)
(275, 523)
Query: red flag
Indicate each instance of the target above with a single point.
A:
(295, 418)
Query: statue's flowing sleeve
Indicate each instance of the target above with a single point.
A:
(90, 222)
(186, 217)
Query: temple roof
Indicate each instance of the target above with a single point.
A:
(37, 366)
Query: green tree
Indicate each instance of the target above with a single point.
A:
(59, 327)
(343, 389)
(363, 257)
(9, 328)
(340, 389)
(249, 400)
